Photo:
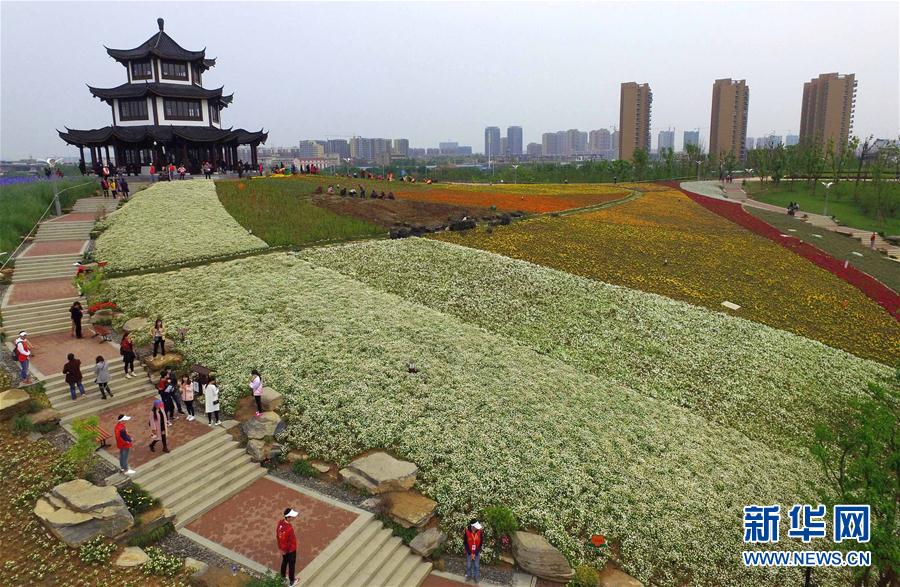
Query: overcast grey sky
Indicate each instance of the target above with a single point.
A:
(439, 71)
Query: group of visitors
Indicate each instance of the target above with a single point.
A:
(74, 378)
(337, 189)
(792, 208)
(114, 187)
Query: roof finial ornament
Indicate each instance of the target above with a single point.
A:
(161, 24)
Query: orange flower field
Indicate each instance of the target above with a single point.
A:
(664, 243)
(533, 199)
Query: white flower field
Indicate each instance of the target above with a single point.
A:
(586, 408)
(170, 223)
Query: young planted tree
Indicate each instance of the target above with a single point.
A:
(860, 456)
(862, 155)
(639, 162)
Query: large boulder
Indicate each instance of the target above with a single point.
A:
(135, 324)
(158, 362)
(426, 542)
(379, 472)
(14, 402)
(132, 556)
(410, 509)
(612, 577)
(45, 416)
(271, 399)
(79, 511)
(540, 558)
(257, 450)
(197, 568)
(267, 424)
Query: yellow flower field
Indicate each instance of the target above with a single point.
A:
(665, 243)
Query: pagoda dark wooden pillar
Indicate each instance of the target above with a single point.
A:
(253, 160)
(184, 156)
(93, 159)
(108, 160)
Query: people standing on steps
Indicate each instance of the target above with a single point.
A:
(77, 314)
(176, 393)
(123, 185)
(872, 241)
(126, 349)
(159, 426)
(187, 396)
(124, 443)
(164, 387)
(211, 395)
(472, 539)
(101, 376)
(256, 387)
(287, 544)
(158, 335)
(22, 352)
(72, 371)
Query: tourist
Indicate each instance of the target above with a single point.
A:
(104, 184)
(105, 170)
(123, 186)
(207, 170)
(256, 387)
(152, 173)
(260, 169)
(101, 376)
(126, 349)
(211, 393)
(158, 336)
(287, 544)
(72, 371)
(171, 171)
(472, 539)
(872, 241)
(112, 187)
(187, 396)
(181, 171)
(82, 167)
(164, 388)
(76, 313)
(159, 426)
(123, 443)
(176, 395)
(22, 353)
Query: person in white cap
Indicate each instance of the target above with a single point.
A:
(123, 442)
(22, 352)
(287, 544)
(472, 539)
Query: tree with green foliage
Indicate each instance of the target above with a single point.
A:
(639, 162)
(860, 456)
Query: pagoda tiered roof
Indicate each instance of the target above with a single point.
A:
(163, 46)
(139, 90)
(161, 134)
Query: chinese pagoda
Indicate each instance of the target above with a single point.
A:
(163, 114)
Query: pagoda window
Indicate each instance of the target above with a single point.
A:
(182, 109)
(133, 109)
(141, 70)
(214, 112)
(174, 70)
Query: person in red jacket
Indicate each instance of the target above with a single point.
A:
(123, 442)
(287, 544)
(472, 539)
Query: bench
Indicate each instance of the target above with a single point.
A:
(101, 435)
(103, 332)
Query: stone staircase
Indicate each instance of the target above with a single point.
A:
(366, 553)
(45, 267)
(194, 478)
(37, 317)
(64, 230)
(125, 390)
(95, 205)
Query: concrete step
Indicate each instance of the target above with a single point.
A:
(181, 493)
(67, 266)
(41, 276)
(27, 307)
(56, 379)
(43, 238)
(70, 227)
(30, 322)
(349, 568)
(406, 571)
(35, 331)
(386, 574)
(90, 405)
(213, 493)
(60, 392)
(378, 560)
(169, 479)
(23, 262)
(348, 555)
(181, 455)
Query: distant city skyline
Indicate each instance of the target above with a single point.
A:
(365, 89)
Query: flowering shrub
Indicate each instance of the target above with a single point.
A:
(96, 551)
(491, 419)
(662, 242)
(94, 308)
(532, 198)
(162, 564)
(170, 223)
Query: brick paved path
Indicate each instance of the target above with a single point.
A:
(245, 523)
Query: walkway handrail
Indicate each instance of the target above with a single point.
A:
(12, 255)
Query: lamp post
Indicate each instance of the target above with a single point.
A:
(347, 159)
(698, 162)
(516, 173)
(827, 188)
(57, 207)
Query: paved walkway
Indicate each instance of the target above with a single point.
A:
(733, 193)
